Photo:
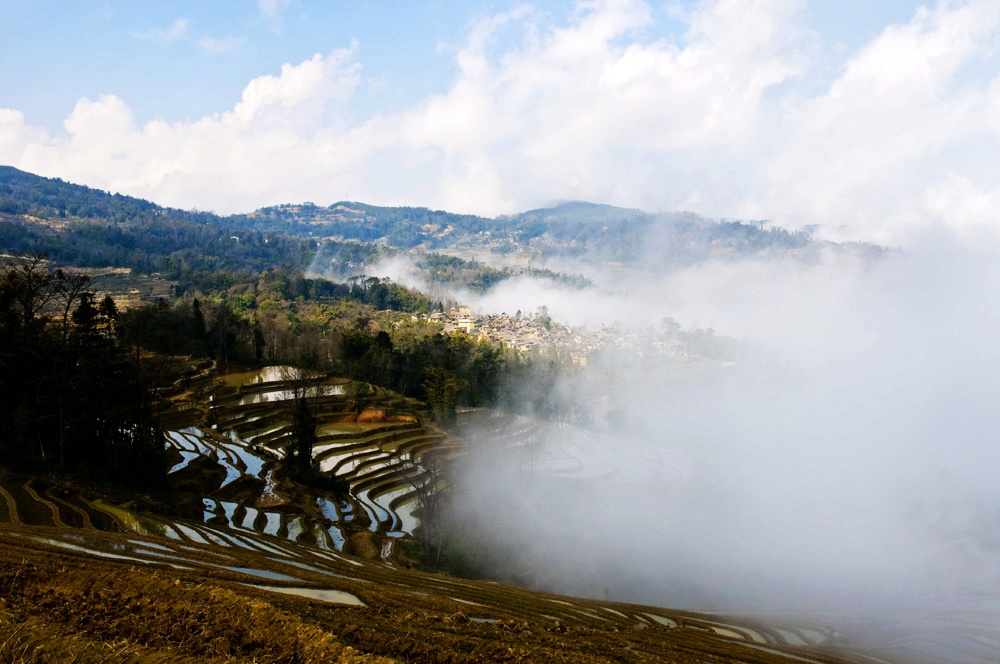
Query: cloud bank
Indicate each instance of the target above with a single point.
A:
(745, 111)
(845, 472)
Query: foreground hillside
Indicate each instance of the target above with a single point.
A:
(86, 595)
(302, 513)
(275, 571)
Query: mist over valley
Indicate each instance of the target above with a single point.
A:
(761, 424)
(610, 330)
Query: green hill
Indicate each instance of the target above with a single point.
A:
(81, 226)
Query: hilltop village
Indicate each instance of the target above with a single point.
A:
(539, 333)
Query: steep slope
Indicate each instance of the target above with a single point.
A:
(276, 572)
(87, 595)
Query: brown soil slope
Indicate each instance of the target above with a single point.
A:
(89, 596)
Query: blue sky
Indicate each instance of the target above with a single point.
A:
(183, 60)
(869, 119)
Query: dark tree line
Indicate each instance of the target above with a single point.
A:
(72, 399)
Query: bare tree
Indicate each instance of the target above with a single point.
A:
(28, 280)
(69, 289)
(428, 477)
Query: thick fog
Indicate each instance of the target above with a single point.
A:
(846, 463)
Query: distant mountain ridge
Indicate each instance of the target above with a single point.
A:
(592, 232)
(23, 193)
(36, 210)
(78, 226)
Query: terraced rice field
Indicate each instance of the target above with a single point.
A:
(298, 558)
(377, 607)
(442, 612)
(230, 433)
(330, 559)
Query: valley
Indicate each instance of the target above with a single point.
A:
(276, 571)
(234, 439)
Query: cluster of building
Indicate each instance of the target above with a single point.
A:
(538, 332)
(521, 332)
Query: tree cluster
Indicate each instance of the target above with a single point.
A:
(286, 319)
(72, 399)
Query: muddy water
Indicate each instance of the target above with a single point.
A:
(284, 393)
(262, 573)
(321, 594)
(321, 537)
(666, 622)
(275, 384)
(327, 508)
(337, 537)
(98, 519)
(31, 512)
(133, 522)
(266, 375)
(272, 525)
(296, 527)
(234, 510)
(68, 515)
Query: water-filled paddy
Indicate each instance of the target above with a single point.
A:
(321, 594)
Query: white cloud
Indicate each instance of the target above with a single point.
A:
(215, 46)
(727, 119)
(15, 136)
(178, 30)
(299, 90)
(249, 156)
(273, 11)
(965, 209)
(859, 154)
(589, 111)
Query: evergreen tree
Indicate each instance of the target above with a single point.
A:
(71, 398)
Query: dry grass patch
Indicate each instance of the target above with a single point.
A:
(71, 613)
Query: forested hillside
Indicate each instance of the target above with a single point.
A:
(76, 381)
(578, 230)
(256, 288)
(77, 225)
